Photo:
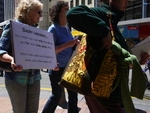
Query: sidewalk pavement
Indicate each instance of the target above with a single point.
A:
(5, 105)
(142, 106)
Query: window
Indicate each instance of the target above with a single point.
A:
(133, 10)
(71, 4)
(83, 2)
(77, 2)
(89, 1)
(148, 8)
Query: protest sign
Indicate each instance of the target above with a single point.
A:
(33, 48)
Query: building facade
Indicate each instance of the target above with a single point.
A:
(44, 23)
(1, 10)
(136, 9)
(135, 24)
(74, 3)
(9, 7)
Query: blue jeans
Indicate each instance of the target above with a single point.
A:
(24, 98)
(53, 101)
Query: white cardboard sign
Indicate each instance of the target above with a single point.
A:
(33, 48)
(143, 46)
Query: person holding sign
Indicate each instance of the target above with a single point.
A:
(62, 36)
(23, 86)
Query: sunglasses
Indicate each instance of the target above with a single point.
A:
(39, 12)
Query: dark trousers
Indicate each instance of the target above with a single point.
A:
(94, 106)
(114, 104)
(53, 101)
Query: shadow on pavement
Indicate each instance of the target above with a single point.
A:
(140, 111)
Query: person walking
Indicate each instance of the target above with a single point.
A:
(147, 68)
(23, 85)
(61, 35)
(100, 25)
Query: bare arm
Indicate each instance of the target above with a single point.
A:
(7, 58)
(66, 45)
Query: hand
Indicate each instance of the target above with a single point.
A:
(107, 41)
(72, 43)
(16, 67)
(66, 45)
(56, 68)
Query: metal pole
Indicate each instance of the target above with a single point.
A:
(4, 10)
(95, 4)
(144, 8)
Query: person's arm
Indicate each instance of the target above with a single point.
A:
(7, 58)
(66, 45)
(59, 48)
(4, 48)
(88, 20)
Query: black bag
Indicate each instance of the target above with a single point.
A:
(5, 66)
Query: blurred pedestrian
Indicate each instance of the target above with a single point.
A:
(147, 68)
